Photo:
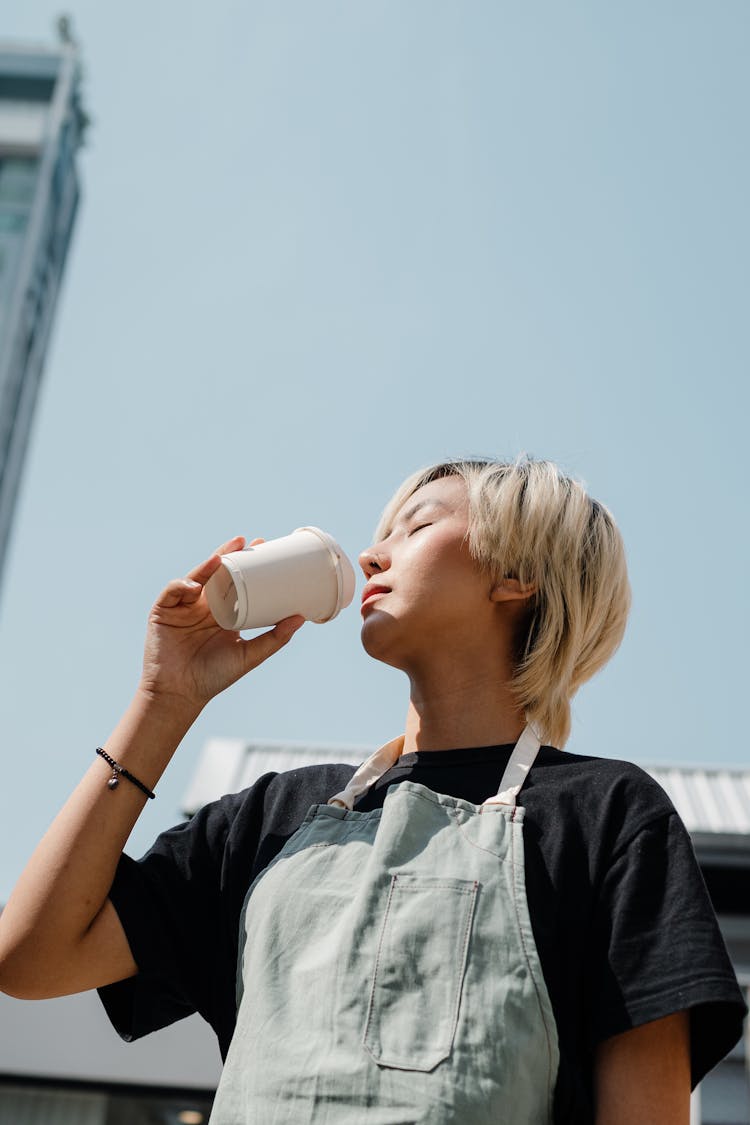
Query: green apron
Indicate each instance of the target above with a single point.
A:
(388, 973)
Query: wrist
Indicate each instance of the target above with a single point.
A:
(149, 733)
(157, 701)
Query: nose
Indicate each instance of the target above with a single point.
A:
(373, 561)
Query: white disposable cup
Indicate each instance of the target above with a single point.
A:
(305, 572)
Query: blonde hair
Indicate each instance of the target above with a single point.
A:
(529, 520)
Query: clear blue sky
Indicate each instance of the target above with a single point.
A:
(323, 244)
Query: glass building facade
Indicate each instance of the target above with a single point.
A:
(41, 128)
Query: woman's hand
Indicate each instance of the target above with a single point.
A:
(187, 656)
(58, 932)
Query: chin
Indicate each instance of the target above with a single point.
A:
(380, 639)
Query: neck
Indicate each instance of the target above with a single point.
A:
(452, 710)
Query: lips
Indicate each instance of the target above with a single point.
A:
(370, 591)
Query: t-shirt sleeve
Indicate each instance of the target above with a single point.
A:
(657, 946)
(179, 906)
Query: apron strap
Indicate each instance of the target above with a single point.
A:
(368, 773)
(517, 769)
(371, 770)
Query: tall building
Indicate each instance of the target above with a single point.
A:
(41, 128)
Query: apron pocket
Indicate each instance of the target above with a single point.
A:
(419, 971)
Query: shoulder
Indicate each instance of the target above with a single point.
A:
(606, 775)
(236, 822)
(276, 802)
(611, 797)
(613, 880)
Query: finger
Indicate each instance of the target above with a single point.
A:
(181, 591)
(258, 649)
(256, 542)
(289, 626)
(235, 544)
(204, 570)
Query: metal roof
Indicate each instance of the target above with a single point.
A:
(227, 765)
(708, 800)
(711, 802)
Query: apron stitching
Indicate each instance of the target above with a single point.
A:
(463, 958)
(468, 839)
(462, 954)
(377, 964)
(543, 1013)
(442, 800)
(422, 881)
(424, 797)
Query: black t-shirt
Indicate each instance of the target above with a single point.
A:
(621, 917)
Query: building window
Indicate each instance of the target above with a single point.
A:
(17, 181)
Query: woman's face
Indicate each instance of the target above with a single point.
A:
(423, 588)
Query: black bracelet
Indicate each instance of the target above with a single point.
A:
(117, 769)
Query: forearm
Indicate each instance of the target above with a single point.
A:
(59, 933)
(66, 882)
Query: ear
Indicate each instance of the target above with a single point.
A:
(511, 590)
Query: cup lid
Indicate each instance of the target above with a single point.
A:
(345, 577)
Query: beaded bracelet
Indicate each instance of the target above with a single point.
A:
(117, 769)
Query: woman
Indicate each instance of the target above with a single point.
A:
(470, 927)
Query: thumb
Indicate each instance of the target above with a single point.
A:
(258, 649)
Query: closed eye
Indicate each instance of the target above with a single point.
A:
(419, 528)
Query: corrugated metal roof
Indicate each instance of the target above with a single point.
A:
(709, 801)
(227, 765)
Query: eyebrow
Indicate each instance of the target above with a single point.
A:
(421, 504)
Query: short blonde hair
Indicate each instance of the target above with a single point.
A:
(529, 520)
